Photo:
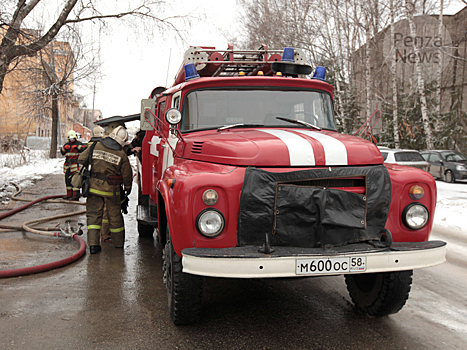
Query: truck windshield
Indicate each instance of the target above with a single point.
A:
(215, 108)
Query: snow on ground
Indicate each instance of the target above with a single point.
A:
(450, 215)
(451, 207)
(37, 166)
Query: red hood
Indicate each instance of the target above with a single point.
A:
(280, 147)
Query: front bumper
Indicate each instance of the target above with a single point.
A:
(247, 262)
(460, 174)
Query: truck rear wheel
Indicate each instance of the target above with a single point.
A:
(379, 294)
(184, 291)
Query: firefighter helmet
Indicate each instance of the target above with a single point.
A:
(71, 135)
(98, 131)
(120, 135)
(112, 126)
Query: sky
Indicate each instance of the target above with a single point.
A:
(450, 214)
(133, 66)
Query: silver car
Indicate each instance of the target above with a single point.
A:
(404, 157)
(446, 165)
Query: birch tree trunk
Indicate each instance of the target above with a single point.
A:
(439, 72)
(394, 82)
(337, 65)
(410, 8)
(368, 77)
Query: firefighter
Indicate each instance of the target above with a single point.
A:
(97, 135)
(136, 145)
(71, 151)
(110, 170)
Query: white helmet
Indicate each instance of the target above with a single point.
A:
(120, 135)
(98, 131)
(112, 126)
(71, 135)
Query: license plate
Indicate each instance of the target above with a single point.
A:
(330, 265)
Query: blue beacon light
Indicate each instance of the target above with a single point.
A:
(191, 72)
(288, 55)
(320, 73)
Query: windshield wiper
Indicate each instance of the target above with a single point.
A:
(237, 126)
(299, 122)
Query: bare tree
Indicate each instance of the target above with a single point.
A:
(410, 9)
(17, 42)
(52, 77)
(439, 70)
(395, 119)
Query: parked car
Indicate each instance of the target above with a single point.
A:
(404, 157)
(446, 165)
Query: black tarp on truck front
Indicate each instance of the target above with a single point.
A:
(305, 208)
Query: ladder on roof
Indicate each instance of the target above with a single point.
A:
(210, 62)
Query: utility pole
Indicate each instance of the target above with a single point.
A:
(93, 98)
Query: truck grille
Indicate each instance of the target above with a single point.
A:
(353, 184)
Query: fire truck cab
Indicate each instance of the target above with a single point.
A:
(245, 176)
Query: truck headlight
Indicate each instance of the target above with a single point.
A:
(415, 216)
(210, 222)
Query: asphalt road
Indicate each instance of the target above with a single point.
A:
(117, 300)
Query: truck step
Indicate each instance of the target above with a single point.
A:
(143, 213)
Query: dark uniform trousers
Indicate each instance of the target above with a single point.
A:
(94, 214)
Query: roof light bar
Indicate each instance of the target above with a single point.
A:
(191, 72)
(320, 73)
(288, 55)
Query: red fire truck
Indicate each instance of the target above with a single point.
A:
(245, 176)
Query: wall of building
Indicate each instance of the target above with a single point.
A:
(434, 50)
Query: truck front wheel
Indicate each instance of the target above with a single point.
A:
(379, 294)
(184, 291)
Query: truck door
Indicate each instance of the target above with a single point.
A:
(156, 142)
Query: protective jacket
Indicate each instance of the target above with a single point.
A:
(71, 152)
(110, 168)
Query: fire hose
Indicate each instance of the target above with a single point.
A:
(44, 231)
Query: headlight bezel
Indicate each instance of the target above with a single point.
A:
(173, 116)
(406, 219)
(203, 214)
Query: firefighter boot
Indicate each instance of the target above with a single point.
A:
(94, 240)
(76, 194)
(94, 249)
(69, 193)
(118, 238)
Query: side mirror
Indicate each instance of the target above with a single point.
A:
(147, 118)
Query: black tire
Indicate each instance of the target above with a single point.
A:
(449, 177)
(379, 294)
(184, 291)
(145, 230)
